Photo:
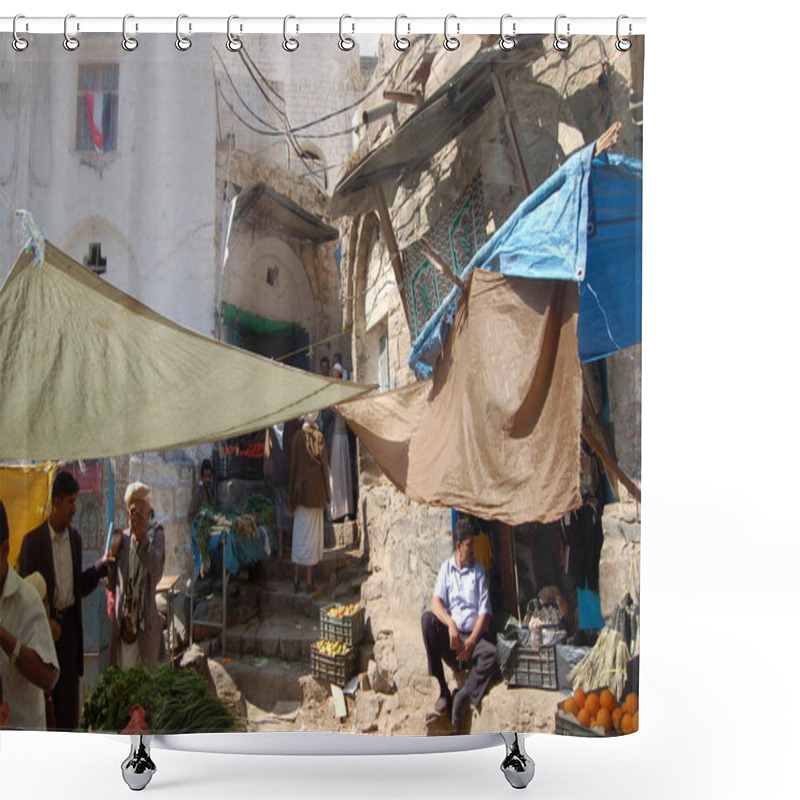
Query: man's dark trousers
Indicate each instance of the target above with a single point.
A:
(437, 645)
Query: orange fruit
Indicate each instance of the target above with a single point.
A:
(580, 697)
(636, 720)
(626, 724)
(570, 706)
(592, 704)
(584, 718)
(616, 718)
(604, 718)
(607, 700)
(632, 703)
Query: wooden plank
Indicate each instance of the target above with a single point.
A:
(391, 242)
(501, 92)
(608, 139)
(436, 259)
(611, 465)
(412, 98)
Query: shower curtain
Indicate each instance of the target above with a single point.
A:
(190, 237)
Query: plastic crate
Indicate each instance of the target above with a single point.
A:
(535, 669)
(568, 725)
(349, 630)
(334, 669)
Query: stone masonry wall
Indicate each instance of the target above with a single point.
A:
(562, 104)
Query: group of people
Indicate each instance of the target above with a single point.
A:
(41, 626)
(312, 474)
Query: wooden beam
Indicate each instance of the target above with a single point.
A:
(608, 139)
(501, 92)
(436, 259)
(411, 98)
(611, 465)
(391, 243)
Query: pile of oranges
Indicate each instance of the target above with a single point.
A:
(601, 709)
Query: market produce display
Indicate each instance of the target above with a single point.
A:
(344, 611)
(606, 664)
(253, 450)
(599, 710)
(328, 648)
(243, 522)
(174, 700)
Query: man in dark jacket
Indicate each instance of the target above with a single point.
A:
(55, 550)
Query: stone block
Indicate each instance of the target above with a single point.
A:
(290, 650)
(270, 644)
(368, 709)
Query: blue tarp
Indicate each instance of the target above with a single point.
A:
(582, 224)
(238, 553)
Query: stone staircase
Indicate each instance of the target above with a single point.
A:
(268, 655)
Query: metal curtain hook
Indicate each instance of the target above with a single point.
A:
(182, 42)
(346, 42)
(451, 42)
(290, 44)
(507, 42)
(129, 43)
(234, 43)
(560, 43)
(400, 42)
(623, 44)
(18, 43)
(70, 42)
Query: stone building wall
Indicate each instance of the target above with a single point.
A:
(562, 103)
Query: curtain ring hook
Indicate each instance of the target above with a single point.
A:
(18, 42)
(561, 43)
(234, 43)
(290, 44)
(507, 42)
(182, 42)
(400, 42)
(451, 42)
(345, 42)
(129, 43)
(623, 45)
(70, 42)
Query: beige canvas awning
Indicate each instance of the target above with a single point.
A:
(496, 430)
(88, 372)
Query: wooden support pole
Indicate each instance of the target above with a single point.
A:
(411, 98)
(501, 92)
(391, 242)
(608, 139)
(436, 259)
(611, 465)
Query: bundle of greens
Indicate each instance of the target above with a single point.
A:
(262, 507)
(174, 700)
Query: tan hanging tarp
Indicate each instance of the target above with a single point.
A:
(496, 431)
(88, 372)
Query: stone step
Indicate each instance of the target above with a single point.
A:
(277, 598)
(285, 637)
(335, 560)
(266, 681)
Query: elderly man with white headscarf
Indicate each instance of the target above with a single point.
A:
(136, 633)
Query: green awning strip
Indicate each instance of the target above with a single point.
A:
(233, 315)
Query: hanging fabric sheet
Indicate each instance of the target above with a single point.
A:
(496, 431)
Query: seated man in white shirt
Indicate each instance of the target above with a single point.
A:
(453, 630)
(28, 662)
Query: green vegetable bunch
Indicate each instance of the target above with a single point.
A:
(174, 700)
